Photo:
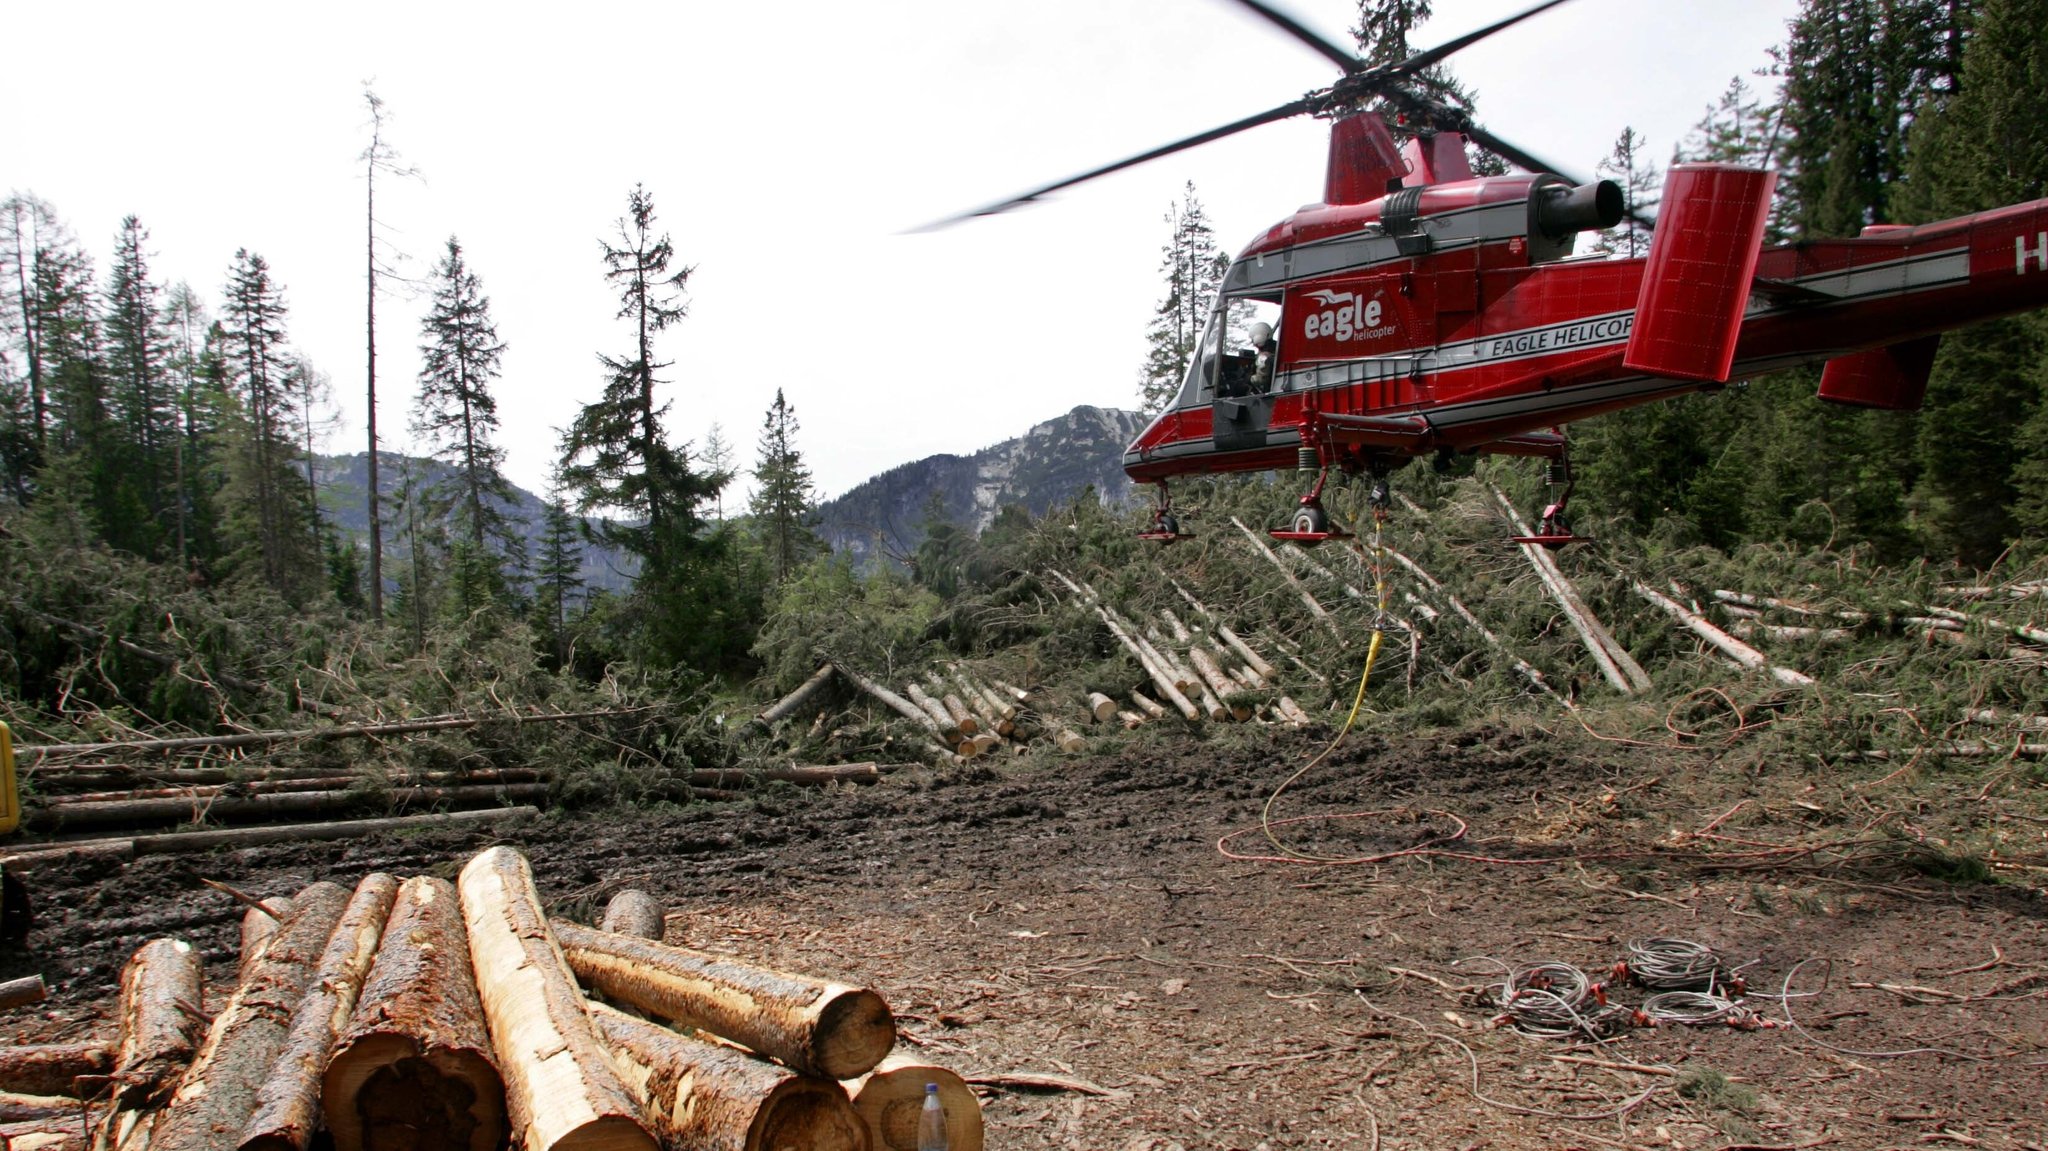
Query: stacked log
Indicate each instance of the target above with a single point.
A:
(414, 1060)
(890, 1099)
(430, 1014)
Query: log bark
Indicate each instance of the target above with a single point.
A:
(807, 774)
(1741, 653)
(932, 708)
(413, 1067)
(177, 842)
(1621, 670)
(1130, 719)
(161, 1025)
(1162, 678)
(218, 1092)
(561, 1089)
(1148, 705)
(67, 1134)
(889, 699)
(126, 812)
(356, 731)
(1315, 607)
(19, 1108)
(259, 924)
(288, 1103)
(1100, 707)
(1225, 688)
(1528, 672)
(52, 1068)
(963, 719)
(891, 1098)
(797, 700)
(816, 1027)
(636, 913)
(1252, 659)
(22, 992)
(1064, 738)
(711, 1097)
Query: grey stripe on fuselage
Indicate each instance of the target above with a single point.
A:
(1357, 251)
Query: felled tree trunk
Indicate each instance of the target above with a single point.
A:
(413, 1068)
(1101, 708)
(636, 913)
(816, 1027)
(288, 1104)
(160, 1021)
(22, 992)
(891, 1097)
(560, 1087)
(52, 1068)
(795, 701)
(710, 1097)
(260, 923)
(218, 1093)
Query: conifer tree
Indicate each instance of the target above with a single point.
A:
(138, 354)
(617, 456)
(1192, 267)
(1629, 166)
(618, 459)
(270, 509)
(27, 225)
(456, 416)
(784, 503)
(1982, 447)
(557, 575)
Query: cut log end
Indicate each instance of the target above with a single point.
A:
(634, 912)
(809, 1113)
(856, 1030)
(891, 1100)
(403, 1099)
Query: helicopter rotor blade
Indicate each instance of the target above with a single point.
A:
(1348, 61)
(1429, 58)
(1284, 111)
(1512, 154)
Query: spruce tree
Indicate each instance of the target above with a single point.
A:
(1629, 166)
(138, 355)
(617, 458)
(616, 455)
(1983, 433)
(1192, 266)
(456, 416)
(270, 509)
(557, 576)
(784, 503)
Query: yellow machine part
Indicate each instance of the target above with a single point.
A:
(10, 799)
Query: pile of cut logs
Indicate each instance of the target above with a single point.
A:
(423, 1014)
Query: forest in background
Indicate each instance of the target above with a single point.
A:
(169, 564)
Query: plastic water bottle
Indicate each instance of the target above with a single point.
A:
(931, 1124)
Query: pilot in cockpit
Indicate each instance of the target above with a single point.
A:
(1263, 354)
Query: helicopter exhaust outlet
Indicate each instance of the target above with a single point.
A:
(1561, 211)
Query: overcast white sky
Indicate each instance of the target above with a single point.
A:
(787, 146)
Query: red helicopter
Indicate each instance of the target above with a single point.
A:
(1418, 309)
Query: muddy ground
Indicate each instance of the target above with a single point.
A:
(1075, 917)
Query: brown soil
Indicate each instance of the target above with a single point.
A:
(1074, 917)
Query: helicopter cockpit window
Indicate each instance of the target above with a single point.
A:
(1238, 354)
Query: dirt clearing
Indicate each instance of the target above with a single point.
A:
(1074, 918)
